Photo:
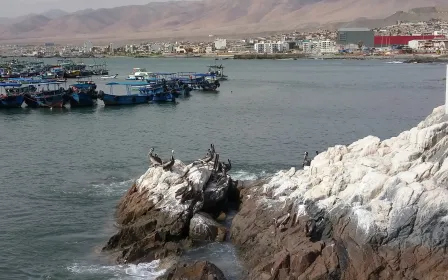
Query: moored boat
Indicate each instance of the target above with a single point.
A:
(109, 77)
(129, 98)
(82, 95)
(11, 99)
(55, 98)
(218, 72)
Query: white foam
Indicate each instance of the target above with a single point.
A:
(245, 175)
(147, 271)
(114, 188)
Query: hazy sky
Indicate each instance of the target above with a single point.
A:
(13, 8)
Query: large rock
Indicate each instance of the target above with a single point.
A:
(154, 215)
(371, 210)
(204, 228)
(196, 271)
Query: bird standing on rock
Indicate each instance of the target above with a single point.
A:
(155, 160)
(168, 165)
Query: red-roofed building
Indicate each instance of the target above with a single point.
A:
(387, 41)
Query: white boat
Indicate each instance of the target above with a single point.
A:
(109, 77)
(139, 74)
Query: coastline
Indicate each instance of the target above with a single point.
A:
(369, 210)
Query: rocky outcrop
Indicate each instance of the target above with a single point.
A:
(371, 210)
(196, 271)
(159, 215)
(204, 228)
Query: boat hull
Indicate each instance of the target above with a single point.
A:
(52, 101)
(82, 100)
(163, 99)
(117, 100)
(11, 102)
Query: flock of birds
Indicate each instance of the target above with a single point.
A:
(188, 191)
(211, 156)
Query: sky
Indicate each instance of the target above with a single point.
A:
(14, 8)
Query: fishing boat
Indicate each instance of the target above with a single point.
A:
(207, 82)
(139, 74)
(159, 94)
(218, 71)
(10, 99)
(47, 98)
(129, 98)
(106, 77)
(82, 95)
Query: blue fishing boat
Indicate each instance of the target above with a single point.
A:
(159, 95)
(11, 99)
(129, 98)
(207, 82)
(82, 95)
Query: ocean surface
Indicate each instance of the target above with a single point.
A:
(62, 171)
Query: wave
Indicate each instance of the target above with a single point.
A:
(394, 62)
(246, 175)
(113, 188)
(147, 271)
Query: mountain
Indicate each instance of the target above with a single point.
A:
(55, 13)
(413, 15)
(200, 18)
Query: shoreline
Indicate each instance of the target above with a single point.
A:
(411, 58)
(312, 223)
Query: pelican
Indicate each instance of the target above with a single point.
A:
(227, 166)
(208, 158)
(282, 221)
(168, 165)
(310, 226)
(155, 160)
(216, 163)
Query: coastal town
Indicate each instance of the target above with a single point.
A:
(402, 37)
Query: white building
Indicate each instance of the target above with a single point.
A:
(327, 46)
(88, 46)
(269, 47)
(416, 44)
(208, 49)
(169, 48)
(220, 44)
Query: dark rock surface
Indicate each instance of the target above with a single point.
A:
(196, 271)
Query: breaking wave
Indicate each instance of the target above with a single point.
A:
(113, 188)
(147, 271)
(245, 175)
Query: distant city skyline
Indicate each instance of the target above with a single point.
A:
(15, 8)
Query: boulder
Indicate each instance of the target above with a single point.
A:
(370, 210)
(196, 271)
(204, 228)
(154, 215)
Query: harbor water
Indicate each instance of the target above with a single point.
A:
(62, 171)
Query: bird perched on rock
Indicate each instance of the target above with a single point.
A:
(226, 166)
(310, 227)
(155, 160)
(306, 160)
(168, 165)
